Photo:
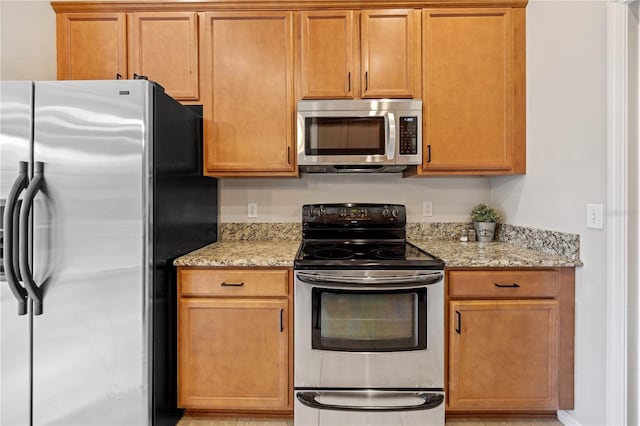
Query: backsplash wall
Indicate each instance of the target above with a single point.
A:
(280, 200)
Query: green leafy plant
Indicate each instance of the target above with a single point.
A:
(483, 213)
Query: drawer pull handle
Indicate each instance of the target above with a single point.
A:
(226, 284)
(458, 322)
(514, 285)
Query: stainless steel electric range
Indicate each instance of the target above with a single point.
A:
(369, 344)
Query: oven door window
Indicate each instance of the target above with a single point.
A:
(369, 321)
(345, 136)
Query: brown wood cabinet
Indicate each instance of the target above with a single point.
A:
(473, 63)
(248, 93)
(510, 340)
(234, 340)
(359, 54)
(162, 46)
(91, 46)
(465, 59)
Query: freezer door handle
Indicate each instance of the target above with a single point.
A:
(430, 401)
(27, 276)
(10, 230)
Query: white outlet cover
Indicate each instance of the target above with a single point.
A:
(252, 210)
(427, 208)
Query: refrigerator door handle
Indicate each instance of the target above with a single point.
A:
(27, 276)
(10, 231)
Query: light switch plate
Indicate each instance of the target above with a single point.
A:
(595, 216)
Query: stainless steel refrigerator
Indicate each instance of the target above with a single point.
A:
(101, 189)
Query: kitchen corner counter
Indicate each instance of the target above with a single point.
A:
(279, 253)
(458, 254)
(242, 253)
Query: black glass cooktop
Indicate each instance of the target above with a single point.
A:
(399, 255)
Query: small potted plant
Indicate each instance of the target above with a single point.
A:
(484, 220)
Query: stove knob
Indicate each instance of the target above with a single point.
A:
(385, 211)
(395, 212)
(322, 211)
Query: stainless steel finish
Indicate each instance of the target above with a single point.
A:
(390, 109)
(371, 400)
(392, 137)
(370, 279)
(333, 369)
(369, 408)
(15, 146)
(90, 351)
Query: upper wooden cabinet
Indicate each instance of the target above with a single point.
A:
(162, 46)
(91, 46)
(473, 63)
(359, 54)
(248, 93)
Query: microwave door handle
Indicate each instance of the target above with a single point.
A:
(429, 401)
(391, 136)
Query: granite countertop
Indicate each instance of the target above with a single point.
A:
(455, 254)
(243, 253)
(494, 254)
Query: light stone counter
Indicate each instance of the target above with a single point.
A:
(243, 253)
(494, 254)
(455, 254)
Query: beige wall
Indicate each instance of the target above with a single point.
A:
(27, 40)
(566, 160)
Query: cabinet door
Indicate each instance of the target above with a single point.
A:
(164, 47)
(327, 55)
(248, 93)
(91, 46)
(503, 355)
(473, 90)
(390, 51)
(233, 354)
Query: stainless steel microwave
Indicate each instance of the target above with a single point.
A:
(350, 136)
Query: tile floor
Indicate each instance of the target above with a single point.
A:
(203, 421)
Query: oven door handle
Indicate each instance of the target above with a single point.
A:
(429, 401)
(389, 280)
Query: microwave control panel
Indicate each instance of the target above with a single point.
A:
(408, 135)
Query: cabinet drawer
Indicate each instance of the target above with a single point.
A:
(507, 284)
(223, 282)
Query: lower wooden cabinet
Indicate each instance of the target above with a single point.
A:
(510, 340)
(234, 340)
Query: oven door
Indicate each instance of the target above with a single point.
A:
(369, 329)
(368, 408)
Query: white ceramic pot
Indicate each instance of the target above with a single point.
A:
(485, 231)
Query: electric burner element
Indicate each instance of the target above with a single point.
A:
(390, 252)
(333, 253)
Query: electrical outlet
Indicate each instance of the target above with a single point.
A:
(252, 210)
(595, 216)
(427, 208)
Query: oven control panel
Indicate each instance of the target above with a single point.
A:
(353, 214)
